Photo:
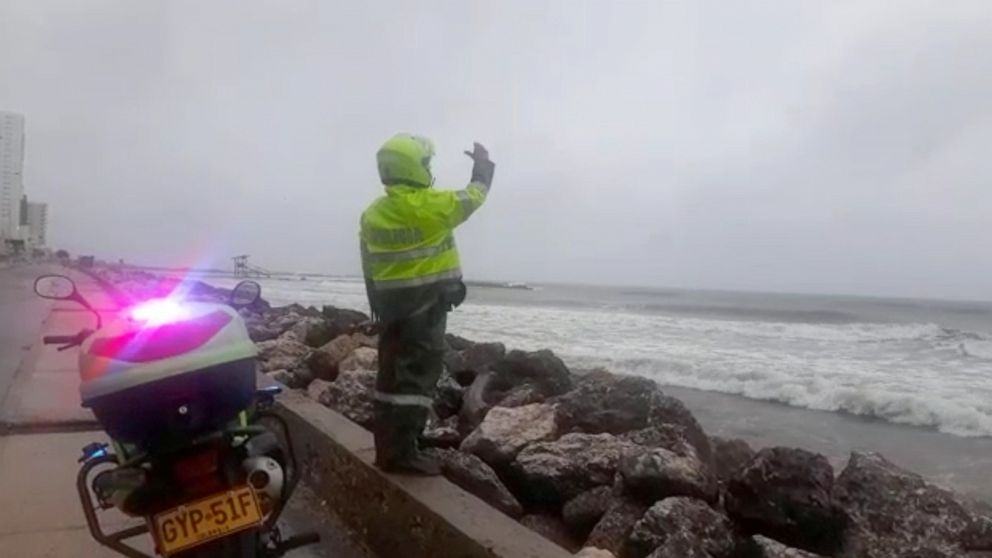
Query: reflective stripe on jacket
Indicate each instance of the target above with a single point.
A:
(407, 236)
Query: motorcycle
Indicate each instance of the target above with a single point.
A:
(196, 452)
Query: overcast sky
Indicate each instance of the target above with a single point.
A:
(774, 145)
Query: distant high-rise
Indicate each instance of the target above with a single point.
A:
(11, 174)
(37, 224)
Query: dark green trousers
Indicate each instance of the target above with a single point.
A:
(411, 359)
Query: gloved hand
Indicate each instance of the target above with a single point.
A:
(482, 170)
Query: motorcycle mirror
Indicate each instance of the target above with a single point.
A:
(55, 287)
(245, 294)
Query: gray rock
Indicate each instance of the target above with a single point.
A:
(551, 528)
(583, 512)
(448, 395)
(341, 321)
(259, 332)
(651, 474)
(281, 354)
(472, 475)
(504, 432)
(730, 455)
(593, 552)
(541, 369)
(476, 402)
(554, 472)
(785, 493)
(480, 357)
(362, 358)
(325, 361)
(309, 330)
(892, 509)
(522, 395)
(763, 547)
(612, 531)
(351, 394)
(284, 377)
(442, 434)
(317, 388)
(681, 524)
(615, 403)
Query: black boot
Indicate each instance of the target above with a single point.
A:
(416, 463)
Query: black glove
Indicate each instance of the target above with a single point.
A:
(482, 170)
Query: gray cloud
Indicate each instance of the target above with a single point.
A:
(832, 147)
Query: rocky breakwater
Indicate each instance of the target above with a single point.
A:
(608, 465)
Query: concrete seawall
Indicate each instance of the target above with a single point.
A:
(395, 515)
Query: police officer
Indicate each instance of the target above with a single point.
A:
(413, 279)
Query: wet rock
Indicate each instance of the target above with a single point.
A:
(442, 434)
(583, 512)
(540, 369)
(342, 321)
(311, 331)
(522, 395)
(785, 493)
(551, 528)
(261, 331)
(457, 343)
(362, 358)
(730, 455)
(554, 472)
(681, 524)
(615, 403)
(448, 395)
(504, 432)
(365, 340)
(302, 376)
(652, 474)
(324, 362)
(593, 552)
(480, 357)
(284, 377)
(474, 476)
(317, 388)
(763, 547)
(281, 354)
(351, 394)
(476, 402)
(613, 529)
(891, 508)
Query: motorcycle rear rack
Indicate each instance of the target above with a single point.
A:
(115, 540)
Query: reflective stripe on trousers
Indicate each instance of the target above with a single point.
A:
(404, 399)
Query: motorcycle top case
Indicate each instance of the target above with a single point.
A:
(168, 368)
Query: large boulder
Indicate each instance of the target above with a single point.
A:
(342, 321)
(616, 403)
(474, 476)
(362, 358)
(785, 493)
(480, 357)
(284, 377)
(557, 471)
(681, 524)
(521, 395)
(665, 463)
(593, 552)
(551, 528)
(541, 369)
(325, 361)
(616, 524)
(504, 432)
(892, 509)
(730, 455)
(763, 547)
(281, 354)
(351, 394)
(312, 331)
(583, 512)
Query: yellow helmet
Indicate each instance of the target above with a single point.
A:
(406, 159)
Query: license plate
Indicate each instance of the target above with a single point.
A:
(207, 519)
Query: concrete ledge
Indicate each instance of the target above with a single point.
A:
(395, 515)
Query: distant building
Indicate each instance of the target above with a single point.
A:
(11, 175)
(37, 224)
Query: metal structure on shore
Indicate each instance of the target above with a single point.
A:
(244, 269)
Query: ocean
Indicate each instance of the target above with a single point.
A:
(909, 378)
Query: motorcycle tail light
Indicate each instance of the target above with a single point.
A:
(198, 473)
